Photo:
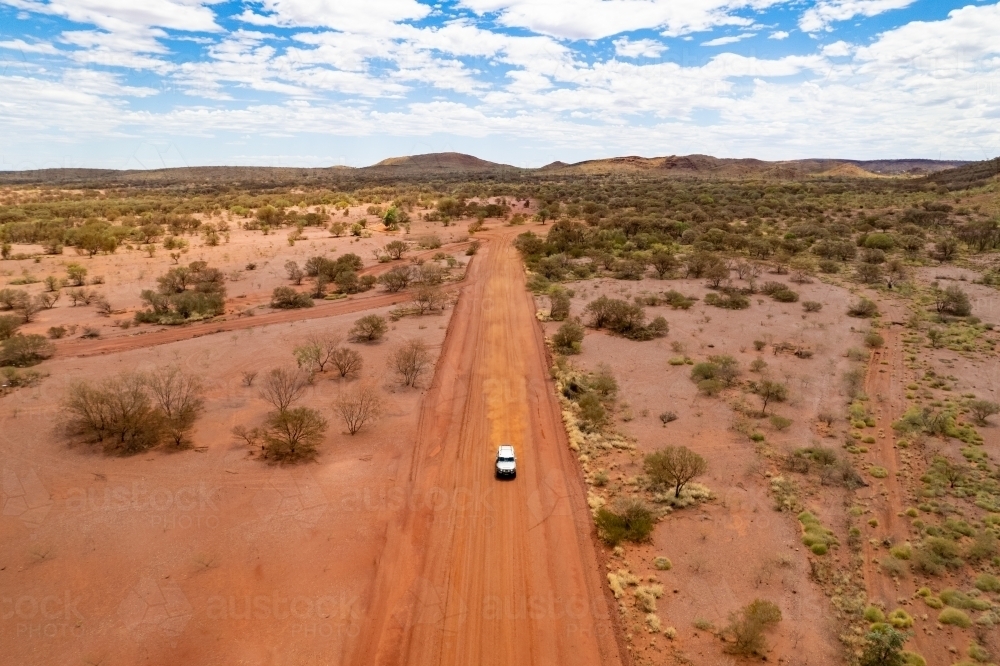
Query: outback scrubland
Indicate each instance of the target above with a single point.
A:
(251, 420)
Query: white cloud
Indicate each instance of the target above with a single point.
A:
(778, 34)
(359, 16)
(595, 19)
(838, 49)
(640, 48)
(823, 13)
(920, 88)
(114, 15)
(730, 39)
(25, 47)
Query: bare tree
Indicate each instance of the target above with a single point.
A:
(410, 361)
(295, 273)
(428, 299)
(118, 413)
(347, 362)
(317, 352)
(359, 407)
(281, 387)
(248, 377)
(180, 398)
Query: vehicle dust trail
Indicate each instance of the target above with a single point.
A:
(475, 570)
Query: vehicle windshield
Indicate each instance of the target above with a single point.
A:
(505, 459)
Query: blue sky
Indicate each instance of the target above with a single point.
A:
(153, 83)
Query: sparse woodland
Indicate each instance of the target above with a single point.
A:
(891, 244)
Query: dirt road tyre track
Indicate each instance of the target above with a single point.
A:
(479, 571)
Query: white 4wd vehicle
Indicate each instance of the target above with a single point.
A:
(506, 462)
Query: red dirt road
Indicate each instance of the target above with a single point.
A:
(475, 570)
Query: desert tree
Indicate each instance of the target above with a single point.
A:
(982, 410)
(675, 467)
(396, 249)
(884, 647)
(359, 407)
(180, 398)
(21, 350)
(316, 352)
(663, 263)
(293, 434)
(9, 325)
(952, 300)
(410, 361)
(428, 299)
(295, 274)
(346, 361)
(769, 391)
(396, 279)
(117, 413)
(281, 387)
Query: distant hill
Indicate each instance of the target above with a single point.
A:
(706, 165)
(973, 174)
(949, 174)
(437, 162)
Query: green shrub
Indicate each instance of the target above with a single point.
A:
(785, 296)
(954, 617)
(902, 552)
(732, 300)
(863, 309)
(876, 471)
(959, 599)
(21, 351)
(873, 340)
(873, 614)
(662, 563)
(288, 298)
(746, 629)
(988, 583)
(591, 410)
(780, 422)
(883, 647)
(900, 619)
(815, 536)
(628, 520)
(569, 338)
(9, 325)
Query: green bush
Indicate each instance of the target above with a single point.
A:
(9, 325)
(21, 351)
(288, 298)
(785, 296)
(954, 617)
(873, 340)
(628, 520)
(746, 629)
(569, 338)
(988, 583)
(863, 309)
